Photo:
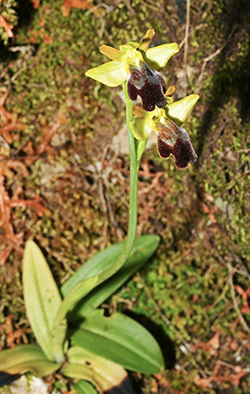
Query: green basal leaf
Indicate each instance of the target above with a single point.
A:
(83, 364)
(26, 358)
(42, 300)
(94, 266)
(120, 339)
(143, 249)
(83, 387)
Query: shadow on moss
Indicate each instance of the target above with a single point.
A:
(232, 76)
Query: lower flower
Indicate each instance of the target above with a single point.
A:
(174, 140)
(171, 139)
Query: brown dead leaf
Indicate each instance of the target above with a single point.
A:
(245, 295)
(36, 3)
(8, 122)
(212, 346)
(202, 382)
(80, 4)
(8, 28)
(13, 335)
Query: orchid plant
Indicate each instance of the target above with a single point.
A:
(73, 335)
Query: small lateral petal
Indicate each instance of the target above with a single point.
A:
(174, 140)
(146, 41)
(170, 91)
(157, 57)
(111, 52)
(111, 74)
(179, 110)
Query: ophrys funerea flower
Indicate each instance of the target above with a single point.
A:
(171, 138)
(137, 64)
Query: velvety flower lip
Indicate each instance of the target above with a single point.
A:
(147, 84)
(174, 140)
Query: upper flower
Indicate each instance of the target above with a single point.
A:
(133, 62)
(170, 137)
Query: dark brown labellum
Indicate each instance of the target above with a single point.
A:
(147, 84)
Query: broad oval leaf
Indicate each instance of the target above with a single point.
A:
(42, 301)
(83, 387)
(26, 358)
(83, 364)
(143, 249)
(120, 339)
(94, 266)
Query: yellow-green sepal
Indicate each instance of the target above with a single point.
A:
(111, 74)
(157, 57)
(179, 110)
(140, 130)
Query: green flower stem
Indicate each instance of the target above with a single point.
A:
(133, 198)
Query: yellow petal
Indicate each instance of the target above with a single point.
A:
(179, 110)
(111, 52)
(158, 57)
(146, 41)
(111, 74)
(170, 91)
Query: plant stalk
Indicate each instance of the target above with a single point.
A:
(133, 195)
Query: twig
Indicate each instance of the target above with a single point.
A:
(237, 260)
(186, 34)
(210, 57)
(190, 32)
(235, 302)
(186, 40)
